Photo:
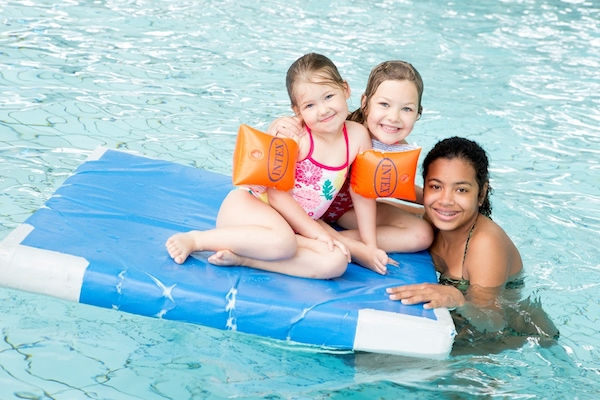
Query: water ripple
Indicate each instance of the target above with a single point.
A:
(174, 80)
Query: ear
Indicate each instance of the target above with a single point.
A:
(420, 112)
(347, 90)
(363, 101)
(483, 193)
(296, 111)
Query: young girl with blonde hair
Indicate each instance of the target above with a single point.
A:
(276, 230)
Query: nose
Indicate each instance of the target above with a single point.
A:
(394, 115)
(323, 109)
(447, 196)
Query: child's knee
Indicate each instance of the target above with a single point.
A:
(332, 266)
(281, 247)
(424, 234)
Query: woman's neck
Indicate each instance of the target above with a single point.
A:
(460, 234)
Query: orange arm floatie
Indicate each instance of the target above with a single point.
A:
(262, 159)
(385, 174)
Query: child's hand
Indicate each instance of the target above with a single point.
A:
(287, 126)
(332, 244)
(379, 261)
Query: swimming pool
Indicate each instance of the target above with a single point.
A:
(175, 79)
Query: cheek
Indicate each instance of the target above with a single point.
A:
(429, 196)
(306, 115)
(371, 123)
(469, 203)
(409, 122)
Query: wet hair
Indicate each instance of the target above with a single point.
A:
(314, 68)
(471, 152)
(388, 71)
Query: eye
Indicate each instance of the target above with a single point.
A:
(329, 96)
(462, 190)
(383, 104)
(408, 109)
(434, 186)
(307, 106)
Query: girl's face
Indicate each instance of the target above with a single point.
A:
(392, 111)
(321, 106)
(451, 194)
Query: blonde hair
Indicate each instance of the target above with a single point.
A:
(315, 68)
(388, 71)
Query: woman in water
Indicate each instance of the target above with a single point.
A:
(480, 267)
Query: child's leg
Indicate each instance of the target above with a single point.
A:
(361, 254)
(313, 259)
(397, 230)
(246, 226)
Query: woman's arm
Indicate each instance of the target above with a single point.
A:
(487, 266)
(480, 305)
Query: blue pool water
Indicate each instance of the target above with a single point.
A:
(175, 79)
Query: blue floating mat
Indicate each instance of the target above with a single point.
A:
(100, 240)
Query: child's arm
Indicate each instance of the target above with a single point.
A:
(291, 127)
(419, 193)
(300, 222)
(366, 208)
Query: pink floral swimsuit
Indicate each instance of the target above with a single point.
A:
(316, 184)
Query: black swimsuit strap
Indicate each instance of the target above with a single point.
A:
(467, 248)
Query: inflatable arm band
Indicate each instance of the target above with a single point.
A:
(262, 159)
(385, 174)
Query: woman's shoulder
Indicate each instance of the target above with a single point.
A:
(491, 247)
(491, 234)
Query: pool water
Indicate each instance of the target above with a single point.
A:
(175, 79)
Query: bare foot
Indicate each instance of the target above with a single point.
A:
(180, 246)
(225, 258)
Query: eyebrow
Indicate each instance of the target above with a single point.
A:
(388, 99)
(453, 183)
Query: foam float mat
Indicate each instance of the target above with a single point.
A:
(100, 239)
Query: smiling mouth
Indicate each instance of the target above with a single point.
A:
(329, 118)
(389, 128)
(446, 213)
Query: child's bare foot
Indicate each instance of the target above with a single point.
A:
(180, 246)
(225, 258)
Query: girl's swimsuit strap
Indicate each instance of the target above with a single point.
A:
(312, 147)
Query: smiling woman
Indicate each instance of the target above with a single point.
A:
(476, 259)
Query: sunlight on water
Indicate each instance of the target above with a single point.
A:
(174, 80)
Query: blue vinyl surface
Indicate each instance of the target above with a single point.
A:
(117, 213)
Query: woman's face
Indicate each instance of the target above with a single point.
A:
(451, 194)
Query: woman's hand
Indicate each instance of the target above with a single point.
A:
(432, 294)
(287, 126)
